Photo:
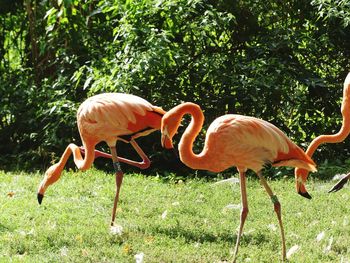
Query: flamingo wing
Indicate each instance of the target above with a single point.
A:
(249, 143)
(109, 115)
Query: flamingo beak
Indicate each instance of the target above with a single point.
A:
(51, 176)
(166, 140)
(41, 191)
(302, 190)
(306, 195)
(300, 178)
(340, 184)
(40, 198)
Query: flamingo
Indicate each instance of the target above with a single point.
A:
(235, 140)
(302, 174)
(108, 117)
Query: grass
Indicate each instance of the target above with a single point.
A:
(166, 221)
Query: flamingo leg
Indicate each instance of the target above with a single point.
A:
(144, 164)
(118, 180)
(277, 208)
(145, 160)
(244, 211)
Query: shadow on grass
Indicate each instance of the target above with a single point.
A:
(195, 235)
(3, 228)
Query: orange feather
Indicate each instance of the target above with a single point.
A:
(107, 117)
(235, 140)
(302, 174)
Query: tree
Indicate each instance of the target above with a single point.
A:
(283, 61)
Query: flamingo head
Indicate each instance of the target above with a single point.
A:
(51, 176)
(300, 178)
(169, 127)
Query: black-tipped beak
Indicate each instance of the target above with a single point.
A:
(306, 195)
(40, 198)
(339, 185)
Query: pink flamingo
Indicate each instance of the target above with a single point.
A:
(235, 140)
(108, 117)
(302, 174)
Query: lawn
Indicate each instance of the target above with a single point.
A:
(173, 221)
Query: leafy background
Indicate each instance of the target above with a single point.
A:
(283, 61)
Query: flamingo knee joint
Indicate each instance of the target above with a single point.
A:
(117, 167)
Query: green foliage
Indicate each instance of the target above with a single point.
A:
(333, 11)
(281, 62)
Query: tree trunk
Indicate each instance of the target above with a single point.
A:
(33, 39)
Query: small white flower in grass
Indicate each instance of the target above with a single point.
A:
(64, 251)
(294, 236)
(314, 223)
(139, 257)
(231, 207)
(345, 221)
(31, 232)
(247, 232)
(292, 250)
(329, 246)
(200, 200)
(52, 225)
(320, 236)
(344, 260)
(272, 227)
(164, 215)
(24, 233)
(116, 230)
(21, 257)
(176, 203)
(232, 180)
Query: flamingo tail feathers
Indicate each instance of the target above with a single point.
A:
(296, 163)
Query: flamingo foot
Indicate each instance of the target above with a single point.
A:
(40, 198)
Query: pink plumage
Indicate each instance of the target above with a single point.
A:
(235, 140)
(108, 117)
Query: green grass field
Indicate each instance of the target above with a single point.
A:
(192, 221)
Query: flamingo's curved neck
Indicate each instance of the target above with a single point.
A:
(82, 164)
(54, 172)
(345, 128)
(187, 156)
